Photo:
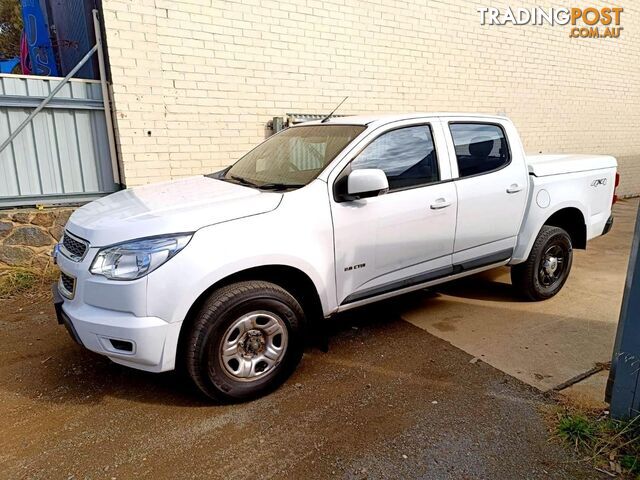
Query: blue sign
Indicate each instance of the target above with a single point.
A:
(39, 51)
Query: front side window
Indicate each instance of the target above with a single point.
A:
(406, 155)
(480, 148)
(293, 157)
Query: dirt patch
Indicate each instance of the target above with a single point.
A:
(388, 401)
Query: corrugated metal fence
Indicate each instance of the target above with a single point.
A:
(63, 155)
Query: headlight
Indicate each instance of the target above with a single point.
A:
(131, 260)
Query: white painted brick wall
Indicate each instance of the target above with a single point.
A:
(204, 77)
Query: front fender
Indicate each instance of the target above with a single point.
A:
(218, 251)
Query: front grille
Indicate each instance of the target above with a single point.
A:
(68, 284)
(75, 247)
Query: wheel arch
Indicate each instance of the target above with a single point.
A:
(572, 220)
(292, 279)
(570, 215)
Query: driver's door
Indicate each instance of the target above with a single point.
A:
(403, 237)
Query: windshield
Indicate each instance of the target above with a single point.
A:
(293, 157)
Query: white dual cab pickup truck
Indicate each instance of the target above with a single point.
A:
(224, 274)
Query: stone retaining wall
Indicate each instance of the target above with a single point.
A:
(27, 236)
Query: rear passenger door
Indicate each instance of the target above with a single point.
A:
(491, 187)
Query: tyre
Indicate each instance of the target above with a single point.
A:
(246, 340)
(547, 268)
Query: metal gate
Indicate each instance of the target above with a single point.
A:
(63, 155)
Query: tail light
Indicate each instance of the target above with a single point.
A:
(615, 197)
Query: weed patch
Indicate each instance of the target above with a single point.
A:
(21, 281)
(612, 446)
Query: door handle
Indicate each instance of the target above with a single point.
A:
(514, 188)
(440, 203)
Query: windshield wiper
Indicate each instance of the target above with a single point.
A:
(280, 186)
(266, 186)
(244, 181)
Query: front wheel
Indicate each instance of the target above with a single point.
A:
(246, 340)
(547, 268)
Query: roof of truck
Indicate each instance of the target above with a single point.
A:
(395, 117)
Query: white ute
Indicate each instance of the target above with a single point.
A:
(224, 274)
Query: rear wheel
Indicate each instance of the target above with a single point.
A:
(546, 270)
(246, 340)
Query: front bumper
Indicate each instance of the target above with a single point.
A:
(145, 343)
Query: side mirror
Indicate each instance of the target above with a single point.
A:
(367, 182)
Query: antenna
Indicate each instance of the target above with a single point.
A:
(334, 110)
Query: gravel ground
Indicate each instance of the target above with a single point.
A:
(388, 400)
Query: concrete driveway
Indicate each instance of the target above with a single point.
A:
(544, 344)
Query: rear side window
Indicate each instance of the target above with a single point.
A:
(480, 148)
(406, 155)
